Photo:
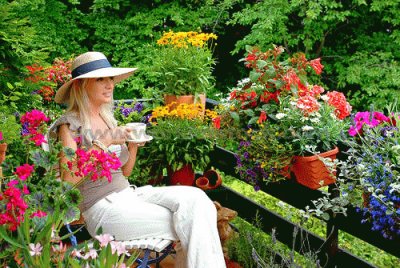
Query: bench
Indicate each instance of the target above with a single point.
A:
(161, 247)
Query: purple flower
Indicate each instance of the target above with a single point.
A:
(126, 111)
(138, 107)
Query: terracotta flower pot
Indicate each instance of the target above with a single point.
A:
(182, 176)
(3, 149)
(188, 99)
(214, 179)
(311, 172)
(202, 183)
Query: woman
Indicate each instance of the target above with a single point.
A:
(179, 213)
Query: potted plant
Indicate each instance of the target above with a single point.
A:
(183, 138)
(370, 175)
(287, 119)
(183, 65)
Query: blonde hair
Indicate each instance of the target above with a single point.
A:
(79, 104)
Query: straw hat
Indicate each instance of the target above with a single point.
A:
(91, 65)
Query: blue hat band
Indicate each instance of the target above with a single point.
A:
(90, 66)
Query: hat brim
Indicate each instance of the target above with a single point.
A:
(119, 74)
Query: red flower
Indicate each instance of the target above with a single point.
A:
(308, 104)
(338, 100)
(316, 65)
(267, 96)
(217, 122)
(262, 118)
(24, 171)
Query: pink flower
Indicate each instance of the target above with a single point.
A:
(91, 254)
(35, 250)
(119, 247)
(104, 239)
(39, 214)
(24, 171)
(1, 136)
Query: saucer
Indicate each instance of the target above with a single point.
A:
(146, 139)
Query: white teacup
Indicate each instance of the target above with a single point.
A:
(138, 131)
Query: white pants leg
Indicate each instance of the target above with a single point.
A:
(174, 212)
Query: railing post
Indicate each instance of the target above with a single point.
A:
(332, 232)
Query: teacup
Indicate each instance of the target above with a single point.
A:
(138, 131)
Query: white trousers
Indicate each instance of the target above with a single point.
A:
(181, 213)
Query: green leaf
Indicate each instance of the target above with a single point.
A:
(9, 85)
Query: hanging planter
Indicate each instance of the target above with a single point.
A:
(311, 172)
(182, 176)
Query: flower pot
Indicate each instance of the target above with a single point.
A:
(3, 149)
(202, 183)
(188, 99)
(214, 179)
(182, 176)
(311, 172)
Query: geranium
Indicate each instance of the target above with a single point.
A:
(24, 171)
(33, 126)
(370, 176)
(94, 164)
(284, 114)
(182, 62)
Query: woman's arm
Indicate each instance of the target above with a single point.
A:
(67, 140)
(127, 168)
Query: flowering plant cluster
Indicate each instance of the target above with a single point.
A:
(35, 204)
(33, 126)
(370, 176)
(93, 164)
(48, 78)
(183, 135)
(183, 62)
(134, 112)
(283, 114)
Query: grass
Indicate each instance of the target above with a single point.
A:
(354, 245)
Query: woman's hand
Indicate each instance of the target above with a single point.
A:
(117, 135)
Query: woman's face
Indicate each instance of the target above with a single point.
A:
(100, 90)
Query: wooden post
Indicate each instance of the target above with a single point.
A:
(332, 232)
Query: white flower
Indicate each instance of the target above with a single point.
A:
(324, 98)
(35, 249)
(243, 82)
(280, 115)
(307, 128)
(315, 120)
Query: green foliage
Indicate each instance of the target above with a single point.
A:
(8, 126)
(16, 37)
(358, 41)
(182, 141)
(372, 77)
(183, 71)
